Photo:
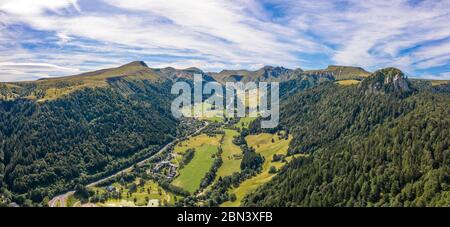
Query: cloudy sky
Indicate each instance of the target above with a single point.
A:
(45, 38)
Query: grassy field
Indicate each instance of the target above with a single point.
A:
(231, 155)
(194, 143)
(215, 115)
(264, 146)
(71, 201)
(343, 72)
(215, 119)
(348, 82)
(191, 175)
(439, 82)
(149, 194)
(244, 122)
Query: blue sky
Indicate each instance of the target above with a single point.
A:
(48, 38)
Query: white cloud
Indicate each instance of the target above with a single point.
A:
(234, 34)
(36, 65)
(14, 71)
(63, 38)
(221, 30)
(440, 76)
(377, 34)
(33, 7)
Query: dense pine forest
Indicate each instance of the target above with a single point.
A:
(384, 142)
(49, 147)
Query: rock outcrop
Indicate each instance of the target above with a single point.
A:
(385, 81)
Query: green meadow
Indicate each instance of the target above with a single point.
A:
(231, 155)
(191, 175)
(263, 145)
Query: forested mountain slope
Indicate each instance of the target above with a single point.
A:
(59, 132)
(382, 143)
(48, 146)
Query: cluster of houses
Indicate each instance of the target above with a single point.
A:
(171, 169)
(110, 188)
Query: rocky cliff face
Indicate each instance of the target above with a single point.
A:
(278, 73)
(385, 81)
(398, 80)
(265, 74)
(187, 74)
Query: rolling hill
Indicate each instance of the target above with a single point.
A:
(342, 72)
(265, 74)
(53, 88)
(56, 133)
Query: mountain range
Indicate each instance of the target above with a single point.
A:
(50, 88)
(381, 140)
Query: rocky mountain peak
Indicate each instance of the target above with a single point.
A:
(136, 64)
(275, 72)
(193, 70)
(386, 80)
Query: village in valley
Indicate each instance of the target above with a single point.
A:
(202, 167)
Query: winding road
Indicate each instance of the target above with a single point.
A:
(62, 199)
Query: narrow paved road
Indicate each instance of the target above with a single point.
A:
(61, 199)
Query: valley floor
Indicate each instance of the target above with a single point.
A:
(267, 145)
(189, 176)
